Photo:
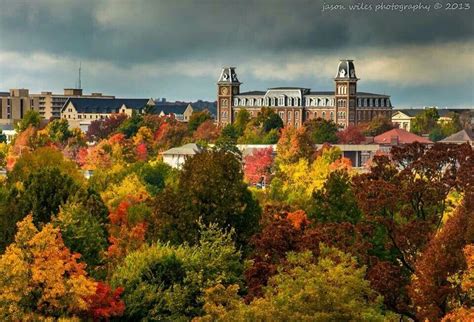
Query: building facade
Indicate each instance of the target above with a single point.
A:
(50, 104)
(14, 105)
(81, 111)
(345, 105)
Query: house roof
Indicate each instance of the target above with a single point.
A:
(105, 105)
(460, 137)
(401, 136)
(170, 108)
(187, 149)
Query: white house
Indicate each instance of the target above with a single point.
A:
(176, 157)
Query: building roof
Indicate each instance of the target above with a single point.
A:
(289, 87)
(323, 93)
(460, 137)
(105, 105)
(187, 149)
(251, 93)
(170, 108)
(399, 136)
(371, 94)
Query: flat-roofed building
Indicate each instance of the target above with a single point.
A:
(14, 104)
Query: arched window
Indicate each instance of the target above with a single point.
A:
(315, 115)
(331, 116)
(289, 116)
(324, 115)
(297, 115)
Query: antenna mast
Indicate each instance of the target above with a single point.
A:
(79, 80)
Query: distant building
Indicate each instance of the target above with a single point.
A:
(50, 104)
(176, 157)
(399, 137)
(182, 112)
(345, 105)
(404, 117)
(14, 105)
(80, 112)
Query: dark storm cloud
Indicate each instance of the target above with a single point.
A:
(127, 32)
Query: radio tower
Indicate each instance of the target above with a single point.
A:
(79, 79)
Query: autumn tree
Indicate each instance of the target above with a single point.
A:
(129, 127)
(321, 131)
(257, 166)
(405, 198)
(433, 291)
(241, 120)
(47, 280)
(58, 130)
(31, 118)
(293, 145)
(197, 118)
(331, 287)
(377, 125)
(210, 187)
(207, 132)
(350, 135)
(102, 128)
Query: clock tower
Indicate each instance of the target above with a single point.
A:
(346, 94)
(227, 86)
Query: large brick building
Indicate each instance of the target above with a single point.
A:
(345, 105)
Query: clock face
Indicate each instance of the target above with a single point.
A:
(224, 90)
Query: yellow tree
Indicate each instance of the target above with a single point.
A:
(298, 181)
(41, 278)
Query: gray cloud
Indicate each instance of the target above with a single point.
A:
(175, 48)
(144, 30)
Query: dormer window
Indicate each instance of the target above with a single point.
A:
(281, 101)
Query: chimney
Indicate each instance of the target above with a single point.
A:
(394, 140)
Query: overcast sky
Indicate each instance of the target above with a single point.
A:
(176, 48)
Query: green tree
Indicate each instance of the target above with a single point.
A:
(164, 282)
(58, 130)
(378, 125)
(424, 122)
(272, 122)
(3, 137)
(45, 190)
(130, 126)
(241, 120)
(335, 202)
(210, 187)
(322, 131)
(229, 135)
(83, 231)
(328, 288)
(31, 117)
(197, 118)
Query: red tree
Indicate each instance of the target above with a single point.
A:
(351, 135)
(257, 166)
(106, 303)
(207, 131)
(431, 289)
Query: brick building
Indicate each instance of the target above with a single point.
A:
(345, 105)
